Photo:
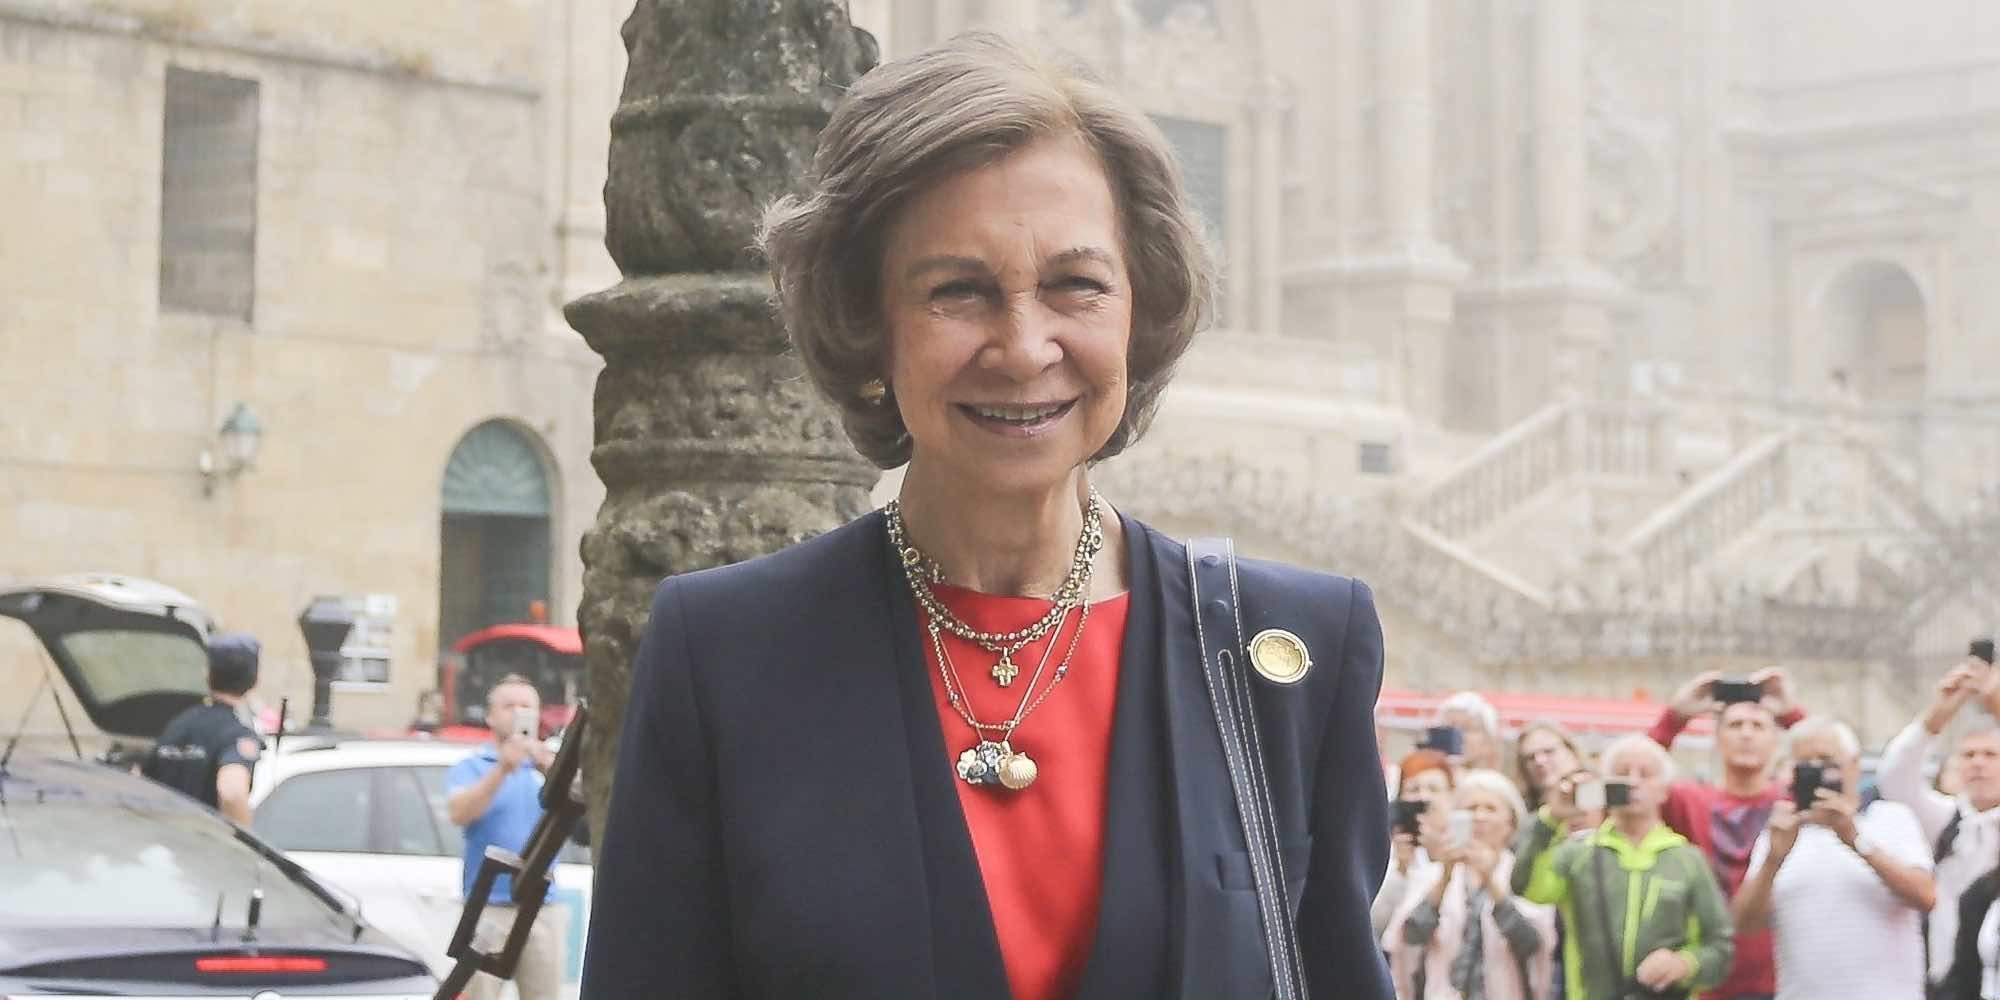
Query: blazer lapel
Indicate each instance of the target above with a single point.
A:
(965, 949)
(1129, 954)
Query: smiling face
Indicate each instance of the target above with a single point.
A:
(1009, 312)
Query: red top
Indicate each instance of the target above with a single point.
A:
(1040, 849)
(1725, 827)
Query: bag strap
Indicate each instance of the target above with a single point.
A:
(1218, 629)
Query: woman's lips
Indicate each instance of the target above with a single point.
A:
(1017, 420)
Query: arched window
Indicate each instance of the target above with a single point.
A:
(1875, 327)
(495, 533)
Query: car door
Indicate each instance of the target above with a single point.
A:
(357, 828)
(436, 881)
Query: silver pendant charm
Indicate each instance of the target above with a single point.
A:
(992, 763)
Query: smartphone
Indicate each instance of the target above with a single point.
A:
(1807, 779)
(1406, 814)
(1617, 793)
(1590, 796)
(1731, 691)
(1983, 649)
(1446, 740)
(524, 726)
(1461, 826)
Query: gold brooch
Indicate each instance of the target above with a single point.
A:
(1280, 656)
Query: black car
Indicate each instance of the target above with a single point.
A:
(111, 885)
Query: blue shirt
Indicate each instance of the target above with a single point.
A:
(509, 820)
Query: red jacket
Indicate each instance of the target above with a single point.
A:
(1725, 827)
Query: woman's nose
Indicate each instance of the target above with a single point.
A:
(1024, 341)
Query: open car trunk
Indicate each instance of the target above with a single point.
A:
(134, 653)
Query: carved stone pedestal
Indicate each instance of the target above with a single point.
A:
(712, 446)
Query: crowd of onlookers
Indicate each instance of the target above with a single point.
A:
(1787, 874)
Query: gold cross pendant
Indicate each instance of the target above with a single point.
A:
(1005, 670)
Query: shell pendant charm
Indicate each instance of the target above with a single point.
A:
(992, 763)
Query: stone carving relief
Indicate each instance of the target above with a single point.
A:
(1640, 59)
(1632, 196)
(1160, 51)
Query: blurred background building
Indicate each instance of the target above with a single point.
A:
(1609, 340)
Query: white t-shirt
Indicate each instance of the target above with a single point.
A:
(1838, 932)
(1989, 955)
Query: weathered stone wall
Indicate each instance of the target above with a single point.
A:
(401, 299)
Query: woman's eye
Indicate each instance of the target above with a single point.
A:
(957, 290)
(1079, 283)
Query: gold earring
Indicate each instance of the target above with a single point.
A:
(873, 392)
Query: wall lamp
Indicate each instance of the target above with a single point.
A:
(235, 448)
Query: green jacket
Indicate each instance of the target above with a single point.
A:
(1659, 893)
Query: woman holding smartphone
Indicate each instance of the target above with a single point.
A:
(1417, 826)
(1461, 932)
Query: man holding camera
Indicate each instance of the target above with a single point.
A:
(1645, 917)
(1724, 820)
(496, 795)
(1843, 888)
(1964, 832)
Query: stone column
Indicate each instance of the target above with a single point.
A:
(712, 446)
(1403, 122)
(586, 90)
(1398, 295)
(1560, 167)
(1556, 317)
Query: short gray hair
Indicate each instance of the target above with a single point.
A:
(1635, 741)
(918, 120)
(1813, 725)
(1474, 704)
(1496, 784)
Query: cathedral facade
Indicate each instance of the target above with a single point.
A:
(1606, 339)
(1611, 340)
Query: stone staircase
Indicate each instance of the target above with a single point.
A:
(1647, 590)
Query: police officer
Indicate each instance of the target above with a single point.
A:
(207, 751)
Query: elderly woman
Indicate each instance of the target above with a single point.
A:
(964, 746)
(1460, 934)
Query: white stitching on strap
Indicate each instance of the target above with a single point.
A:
(1267, 808)
(1229, 695)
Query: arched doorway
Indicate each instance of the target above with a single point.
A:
(495, 533)
(1876, 334)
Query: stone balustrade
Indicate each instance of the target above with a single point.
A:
(1560, 440)
(1714, 511)
(1519, 463)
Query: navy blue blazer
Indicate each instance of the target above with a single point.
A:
(784, 824)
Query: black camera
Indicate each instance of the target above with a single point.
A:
(1808, 779)
(1982, 648)
(1404, 815)
(1446, 740)
(1617, 793)
(1731, 692)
